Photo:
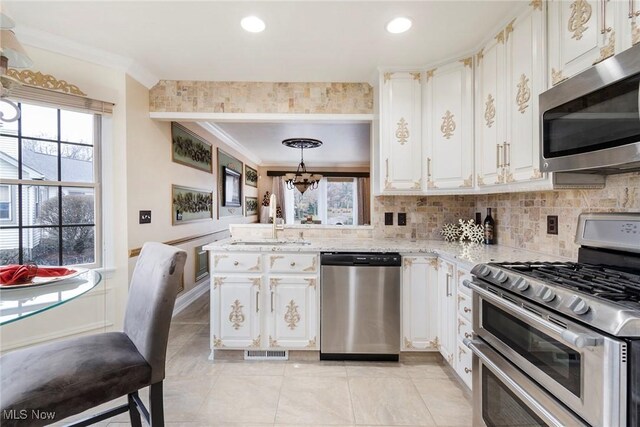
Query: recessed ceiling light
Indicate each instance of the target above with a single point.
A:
(399, 25)
(253, 24)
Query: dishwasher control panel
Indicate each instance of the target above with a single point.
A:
(375, 259)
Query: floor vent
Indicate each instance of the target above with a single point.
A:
(266, 355)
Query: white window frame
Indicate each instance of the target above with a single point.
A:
(322, 203)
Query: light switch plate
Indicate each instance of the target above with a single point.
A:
(552, 224)
(388, 218)
(145, 217)
(402, 218)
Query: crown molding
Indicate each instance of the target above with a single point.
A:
(53, 43)
(223, 136)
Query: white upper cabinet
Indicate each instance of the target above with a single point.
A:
(490, 111)
(581, 33)
(448, 118)
(524, 45)
(401, 133)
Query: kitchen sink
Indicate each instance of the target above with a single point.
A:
(270, 243)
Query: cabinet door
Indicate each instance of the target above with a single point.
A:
(627, 24)
(401, 134)
(447, 310)
(449, 126)
(524, 41)
(490, 112)
(581, 33)
(419, 302)
(293, 312)
(235, 311)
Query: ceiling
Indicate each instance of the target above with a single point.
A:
(344, 144)
(340, 41)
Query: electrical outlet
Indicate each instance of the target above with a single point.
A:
(402, 218)
(388, 218)
(552, 224)
(145, 217)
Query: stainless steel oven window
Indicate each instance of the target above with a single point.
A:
(560, 362)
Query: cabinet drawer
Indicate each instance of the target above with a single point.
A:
(292, 263)
(464, 305)
(464, 360)
(237, 262)
(465, 328)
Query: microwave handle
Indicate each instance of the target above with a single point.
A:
(575, 339)
(514, 386)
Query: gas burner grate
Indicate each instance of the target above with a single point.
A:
(601, 281)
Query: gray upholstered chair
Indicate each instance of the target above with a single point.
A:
(67, 377)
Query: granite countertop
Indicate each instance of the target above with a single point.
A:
(468, 254)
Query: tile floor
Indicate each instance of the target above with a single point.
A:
(198, 392)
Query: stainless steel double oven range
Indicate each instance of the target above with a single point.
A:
(559, 343)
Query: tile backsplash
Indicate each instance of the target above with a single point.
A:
(520, 217)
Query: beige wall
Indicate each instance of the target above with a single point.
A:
(150, 174)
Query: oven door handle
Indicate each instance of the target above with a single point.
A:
(534, 404)
(575, 339)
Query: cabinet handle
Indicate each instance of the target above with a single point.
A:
(257, 301)
(467, 335)
(467, 310)
(448, 284)
(605, 29)
(507, 154)
(428, 167)
(272, 301)
(498, 150)
(387, 168)
(467, 370)
(293, 264)
(235, 263)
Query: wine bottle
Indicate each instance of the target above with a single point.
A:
(489, 229)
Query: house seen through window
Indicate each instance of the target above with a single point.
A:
(49, 170)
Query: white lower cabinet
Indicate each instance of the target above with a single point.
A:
(464, 328)
(264, 307)
(293, 312)
(446, 309)
(419, 312)
(235, 303)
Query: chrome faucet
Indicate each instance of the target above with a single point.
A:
(273, 214)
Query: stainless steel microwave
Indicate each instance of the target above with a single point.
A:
(591, 122)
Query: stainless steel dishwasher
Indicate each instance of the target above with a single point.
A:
(360, 306)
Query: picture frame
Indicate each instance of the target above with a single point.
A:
(202, 263)
(189, 149)
(250, 176)
(232, 190)
(225, 160)
(190, 205)
(250, 206)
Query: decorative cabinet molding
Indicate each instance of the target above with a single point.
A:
(448, 127)
(280, 304)
(401, 132)
(419, 314)
(581, 33)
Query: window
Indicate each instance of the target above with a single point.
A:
(48, 163)
(5, 203)
(334, 202)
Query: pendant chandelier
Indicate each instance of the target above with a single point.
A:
(302, 179)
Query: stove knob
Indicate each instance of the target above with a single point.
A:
(578, 306)
(500, 276)
(484, 271)
(546, 294)
(521, 284)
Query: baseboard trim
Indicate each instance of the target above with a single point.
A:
(186, 299)
(66, 333)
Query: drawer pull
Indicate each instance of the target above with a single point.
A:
(467, 310)
(293, 264)
(468, 335)
(467, 370)
(235, 263)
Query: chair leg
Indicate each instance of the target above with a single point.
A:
(156, 405)
(134, 413)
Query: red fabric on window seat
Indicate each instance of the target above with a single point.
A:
(15, 274)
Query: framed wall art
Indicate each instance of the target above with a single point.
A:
(189, 149)
(190, 204)
(232, 190)
(250, 206)
(250, 176)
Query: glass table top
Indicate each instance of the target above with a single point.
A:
(16, 304)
